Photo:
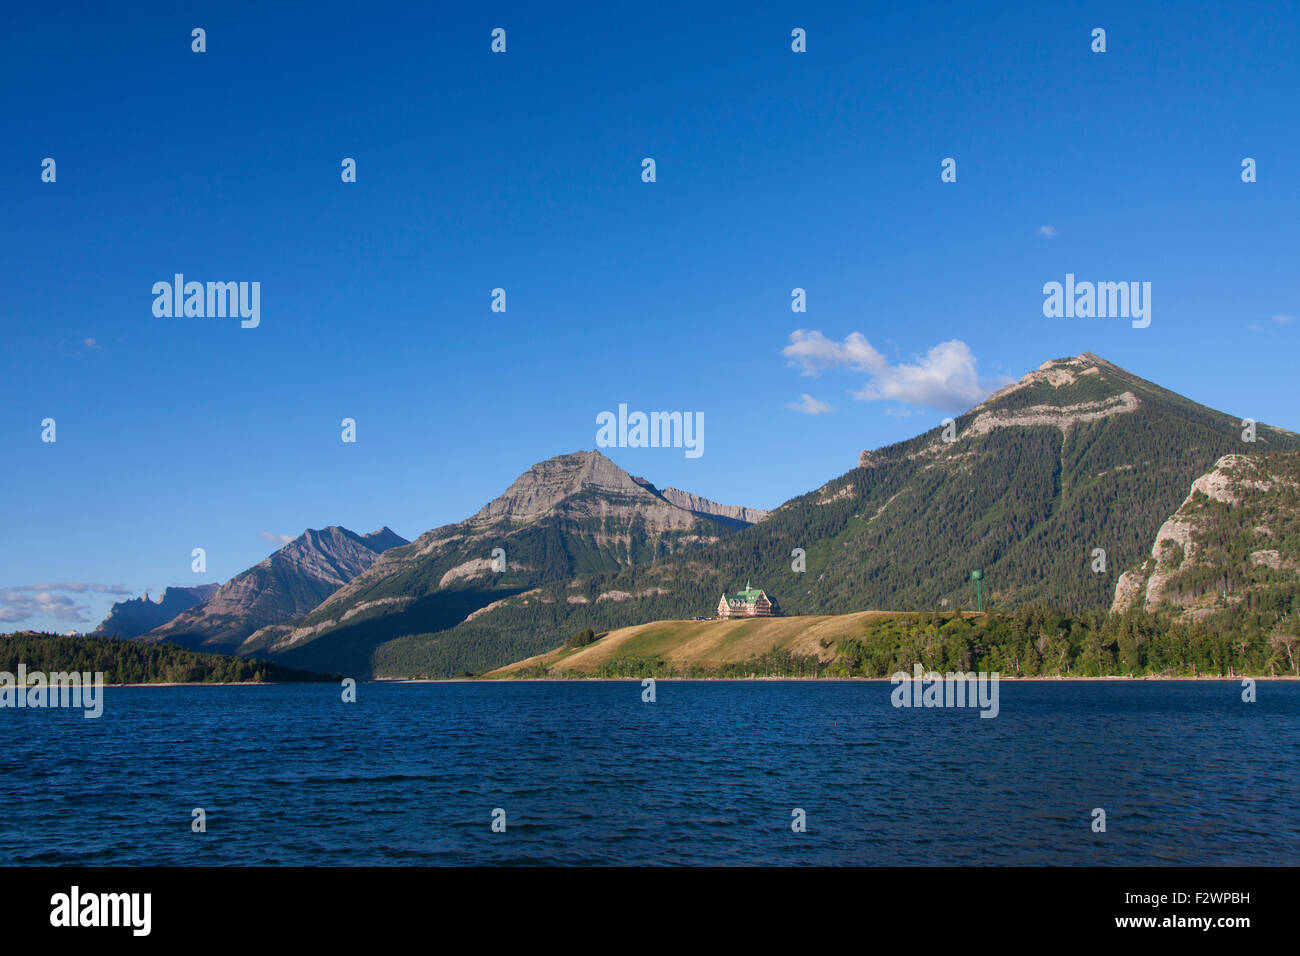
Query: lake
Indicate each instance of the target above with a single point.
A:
(710, 773)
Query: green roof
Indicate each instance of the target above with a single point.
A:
(747, 596)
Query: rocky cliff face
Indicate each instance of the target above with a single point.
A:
(289, 582)
(1236, 532)
(738, 514)
(138, 615)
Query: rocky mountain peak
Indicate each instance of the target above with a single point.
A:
(288, 582)
(1058, 373)
(383, 539)
(1060, 393)
(544, 486)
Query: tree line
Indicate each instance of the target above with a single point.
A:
(136, 662)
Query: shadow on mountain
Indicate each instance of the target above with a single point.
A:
(348, 650)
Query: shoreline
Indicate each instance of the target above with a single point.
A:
(811, 680)
(696, 680)
(210, 683)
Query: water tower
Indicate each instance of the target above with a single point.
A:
(977, 576)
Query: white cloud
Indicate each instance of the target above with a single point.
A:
(21, 602)
(91, 345)
(813, 352)
(944, 378)
(21, 605)
(279, 540)
(1284, 319)
(810, 406)
(77, 586)
(1047, 231)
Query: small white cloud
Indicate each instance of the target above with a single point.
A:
(1284, 319)
(279, 540)
(944, 378)
(813, 352)
(810, 406)
(91, 345)
(1047, 231)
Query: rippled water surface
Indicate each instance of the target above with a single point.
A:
(709, 773)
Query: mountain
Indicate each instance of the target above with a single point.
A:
(1233, 542)
(564, 518)
(736, 515)
(290, 582)
(1076, 456)
(134, 617)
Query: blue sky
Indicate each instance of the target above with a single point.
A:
(522, 170)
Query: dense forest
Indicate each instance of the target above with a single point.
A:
(1038, 641)
(1032, 641)
(135, 662)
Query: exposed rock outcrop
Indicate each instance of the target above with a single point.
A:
(703, 506)
(1245, 484)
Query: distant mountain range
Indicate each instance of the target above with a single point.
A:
(136, 616)
(290, 582)
(1077, 458)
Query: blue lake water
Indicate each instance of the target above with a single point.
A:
(708, 774)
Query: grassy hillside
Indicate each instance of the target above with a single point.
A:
(1032, 641)
(705, 644)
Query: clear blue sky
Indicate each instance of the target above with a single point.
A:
(523, 171)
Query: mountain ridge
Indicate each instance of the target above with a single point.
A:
(704, 506)
(137, 616)
(286, 583)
